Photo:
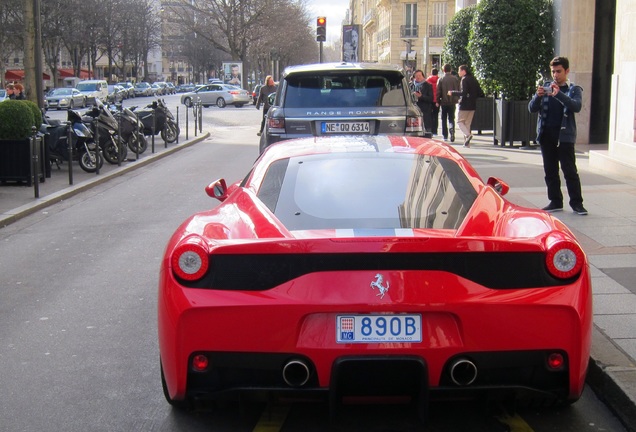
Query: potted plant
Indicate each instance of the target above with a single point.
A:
(455, 52)
(511, 45)
(17, 119)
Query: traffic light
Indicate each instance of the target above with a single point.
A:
(321, 29)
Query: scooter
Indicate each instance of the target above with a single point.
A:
(165, 123)
(85, 150)
(130, 129)
(106, 126)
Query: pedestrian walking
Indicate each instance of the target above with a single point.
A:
(469, 91)
(424, 93)
(265, 91)
(556, 102)
(433, 79)
(448, 102)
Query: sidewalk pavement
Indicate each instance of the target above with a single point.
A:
(608, 235)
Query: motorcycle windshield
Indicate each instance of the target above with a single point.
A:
(81, 130)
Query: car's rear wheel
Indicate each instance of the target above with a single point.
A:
(239, 105)
(187, 102)
(220, 102)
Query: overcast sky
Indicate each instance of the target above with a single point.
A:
(334, 10)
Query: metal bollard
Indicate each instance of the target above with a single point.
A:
(196, 117)
(178, 128)
(201, 118)
(152, 130)
(120, 150)
(186, 122)
(69, 141)
(98, 148)
(35, 162)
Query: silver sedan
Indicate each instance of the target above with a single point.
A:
(65, 98)
(217, 94)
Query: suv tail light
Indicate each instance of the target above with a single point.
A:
(413, 124)
(276, 123)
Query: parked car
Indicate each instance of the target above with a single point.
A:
(255, 92)
(65, 98)
(130, 89)
(116, 93)
(171, 89)
(344, 255)
(157, 89)
(3, 95)
(143, 89)
(342, 98)
(94, 90)
(217, 94)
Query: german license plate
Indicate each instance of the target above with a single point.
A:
(378, 328)
(344, 127)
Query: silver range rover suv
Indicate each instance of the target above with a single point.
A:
(341, 99)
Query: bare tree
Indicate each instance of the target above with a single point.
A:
(52, 26)
(11, 36)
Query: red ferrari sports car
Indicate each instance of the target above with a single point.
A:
(361, 266)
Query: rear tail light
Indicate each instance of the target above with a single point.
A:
(276, 123)
(200, 363)
(555, 361)
(190, 260)
(564, 257)
(233, 92)
(414, 124)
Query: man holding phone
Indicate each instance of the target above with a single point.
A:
(556, 102)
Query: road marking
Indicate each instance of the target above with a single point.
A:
(272, 418)
(516, 423)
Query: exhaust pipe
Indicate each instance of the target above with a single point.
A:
(463, 372)
(296, 373)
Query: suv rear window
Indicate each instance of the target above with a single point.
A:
(343, 90)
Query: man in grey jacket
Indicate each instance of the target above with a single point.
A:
(556, 102)
(448, 103)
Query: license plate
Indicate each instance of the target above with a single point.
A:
(378, 328)
(344, 127)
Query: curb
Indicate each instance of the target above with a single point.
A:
(40, 203)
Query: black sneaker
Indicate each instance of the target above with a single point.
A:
(452, 133)
(552, 207)
(579, 209)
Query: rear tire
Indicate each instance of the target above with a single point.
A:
(187, 102)
(220, 102)
(137, 140)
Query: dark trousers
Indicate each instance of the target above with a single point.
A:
(264, 117)
(448, 119)
(434, 119)
(557, 153)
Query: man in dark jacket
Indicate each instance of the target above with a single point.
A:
(448, 102)
(556, 102)
(266, 90)
(424, 93)
(469, 92)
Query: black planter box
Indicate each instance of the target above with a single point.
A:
(514, 123)
(484, 119)
(16, 161)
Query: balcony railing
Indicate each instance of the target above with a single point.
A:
(437, 31)
(409, 31)
(369, 18)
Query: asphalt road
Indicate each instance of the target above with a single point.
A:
(78, 346)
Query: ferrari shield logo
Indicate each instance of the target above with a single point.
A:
(378, 284)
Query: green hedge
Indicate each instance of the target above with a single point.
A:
(17, 117)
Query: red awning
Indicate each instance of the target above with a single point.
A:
(69, 72)
(18, 75)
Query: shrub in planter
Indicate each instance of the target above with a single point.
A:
(455, 50)
(17, 119)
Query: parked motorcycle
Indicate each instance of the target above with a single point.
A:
(165, 123)
(131, 129)
(85, 150)
(107, 126)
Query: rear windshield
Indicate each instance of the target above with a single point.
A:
(344, 90)
(399, 191)
(87, 87)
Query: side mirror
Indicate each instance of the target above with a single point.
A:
(498, 185)
(217, 189)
